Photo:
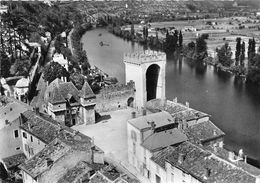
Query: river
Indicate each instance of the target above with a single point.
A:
(233, 105)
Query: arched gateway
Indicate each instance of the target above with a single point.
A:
(147, 70)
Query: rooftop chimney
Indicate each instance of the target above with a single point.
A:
(240, 154)
(36, 110)
(175, 100)
(180, 158)
(187, 104)
(133, 114)
(49, 162)
(215, 132)
(231, 156)
(245, 159)
(153, 125)
(144, 111)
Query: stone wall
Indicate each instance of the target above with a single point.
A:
(115, 97)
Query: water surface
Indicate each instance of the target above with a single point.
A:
(234, 106)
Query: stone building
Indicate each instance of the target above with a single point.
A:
(147, 71)
(54, 150)
(66, 104)
(10, 140)
(21, 89)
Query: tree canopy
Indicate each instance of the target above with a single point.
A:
(54, 70)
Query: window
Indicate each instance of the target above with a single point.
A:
(133, 135)
(24, 135)
(16, 134)
(26, 147)
(31, 138)
(134, 148)
(31, 151)
(158, 179)
(18, 148)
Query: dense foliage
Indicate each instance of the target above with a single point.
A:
(54, 70)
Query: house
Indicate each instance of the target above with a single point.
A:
(58, 57)
(178, 110)
(191, 163)
(21, 88)
(149, 134)
(109, 174)
(66, 104)
(55, 151)
(10, 110)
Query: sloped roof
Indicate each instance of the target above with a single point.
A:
(56, 97)
(22, 83)
(58, 91)
(75, 173)
(203, 132)
(38, 163)
(11, 112)
(45, 130)
(86, 91)
(15, 160)
(163, 139)
(197, 160)
(160, 119)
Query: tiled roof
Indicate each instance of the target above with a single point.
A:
(175, 109)
(223, 153)
(160, 157)
(44, 129)
(110, 172)
(196, 161)
(60, 91)
(55, 96)
(14, 160)
(60, 139)
(98, 178)
(203, 132)
(160, 119)
(11, 111)
(86, 91)
(38, 163)
(163, 139)
(75, 173)
(69, 88)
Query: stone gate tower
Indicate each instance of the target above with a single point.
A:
(147, 70)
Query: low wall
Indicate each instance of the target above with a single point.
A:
(115, 97)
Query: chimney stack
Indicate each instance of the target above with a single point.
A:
(187, 104)
(231, 156)
(144, 111)
(180, 158)
(36, 110)
(133, 114)
(175, 100)
(245, 159)
(152, 124)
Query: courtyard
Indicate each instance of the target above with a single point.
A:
(110, 134)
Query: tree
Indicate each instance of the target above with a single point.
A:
(242, 56)
(5, 65)
(77, 79)
(238, 50)
(254, 70)
(180, 39)
(201, 48)
(132, 30)
(54, 70)
(20, 67)
(224, 55)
